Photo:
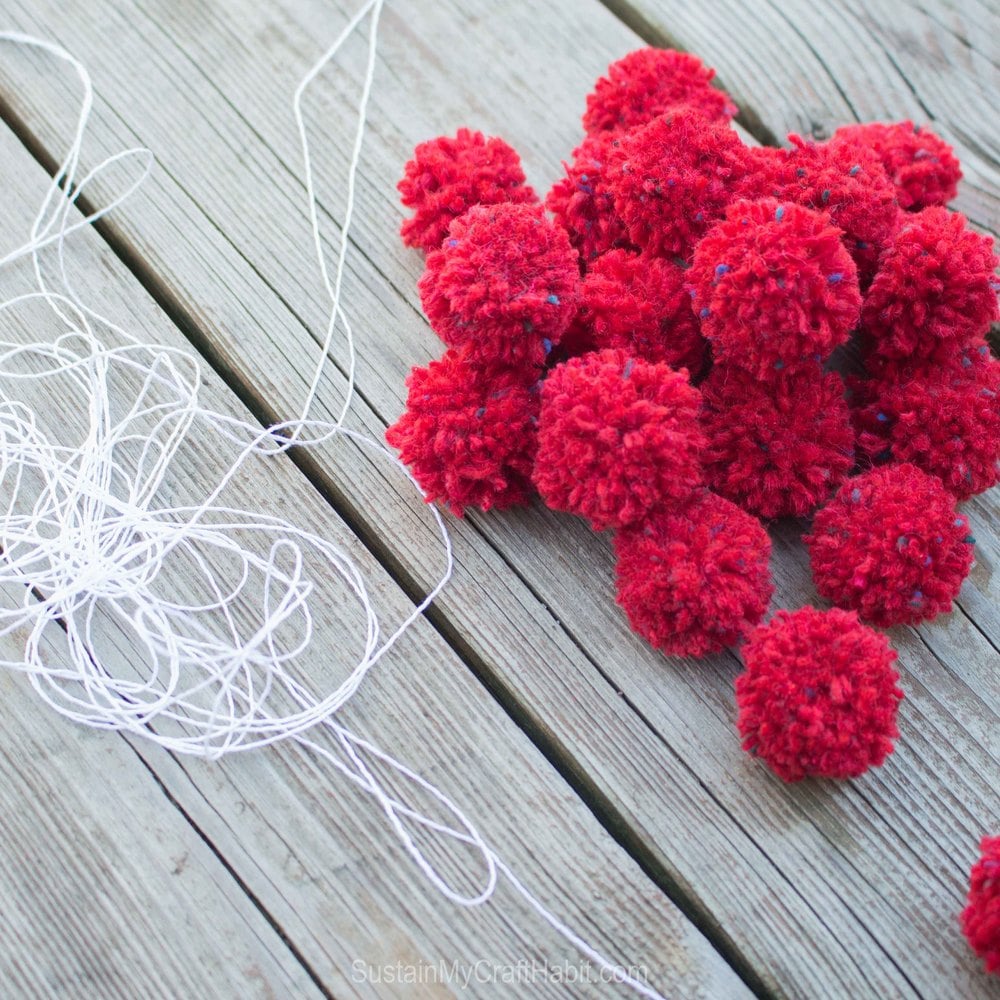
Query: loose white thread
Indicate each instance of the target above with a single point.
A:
(83, 538)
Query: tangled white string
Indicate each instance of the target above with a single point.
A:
(89, 541)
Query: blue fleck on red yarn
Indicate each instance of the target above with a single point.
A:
(818, 696)
(892, 546)
(618, 437)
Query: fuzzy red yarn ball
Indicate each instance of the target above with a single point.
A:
(649, 82)
(936, 286)
(617, 437)
(694, 580)
(640, 304)
(819, 695)
(468, 433)
(671, 179)
(774, 287)
(921, 165)
(942, 417)
(846, 181)
(582, 201)
(505, 282)
(777, 449)
(449, 175)
(981, 917)
(891, 546)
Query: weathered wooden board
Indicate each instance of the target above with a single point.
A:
(798, 66)
(814, 889)
(314, 857)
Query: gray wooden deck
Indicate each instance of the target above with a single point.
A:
(611, 777)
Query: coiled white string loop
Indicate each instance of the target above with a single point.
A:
(88, 538)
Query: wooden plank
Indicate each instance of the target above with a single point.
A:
(106, 888)
(314, 854)
(797, 66)
(817, 889)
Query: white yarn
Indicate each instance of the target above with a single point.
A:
(85, 539)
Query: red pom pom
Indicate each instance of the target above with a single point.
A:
(648, 82)
(778, 449)
(468, 433)
(506, 282)
(944, 418)
(981, 917)
(774, 287)
(935, 287)
(847, 182)
(640, 304)
(448, 176)
(695, 580)
(671, 179)
(617, 437)
(818, 696)
(920, 164)
(582, 202)
(891, 546)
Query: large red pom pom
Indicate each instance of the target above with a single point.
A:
(981, 917)
(818, 696)
(640, 304)
(920, 164)
(778, 449)
(848, 182)
(448, 176)
(582, 202)
(943, 417)
(506, 282)
(671, 179)
(617, 437)
(935, 287)
(649, 82)
(891, 546)
(774, 287)
(694, 580)
(468, 433)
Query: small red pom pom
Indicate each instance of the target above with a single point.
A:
(582, 202)
(774, 287)
(981, 917)
(671, 179)
(640, 304)
(848, 182)
(448, 176)
(944, 418)
(780, 448)
(818, 696)
(891, 546)
(468, 433)
(649, 82)
(920, 164)
(935, 287)
(617, 437)
(506, 282)
(694, 580)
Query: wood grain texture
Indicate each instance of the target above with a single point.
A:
(314, 855)
(797, 66)
(820, 890)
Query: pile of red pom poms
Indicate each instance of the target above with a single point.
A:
(650, 349)
(656, 348)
